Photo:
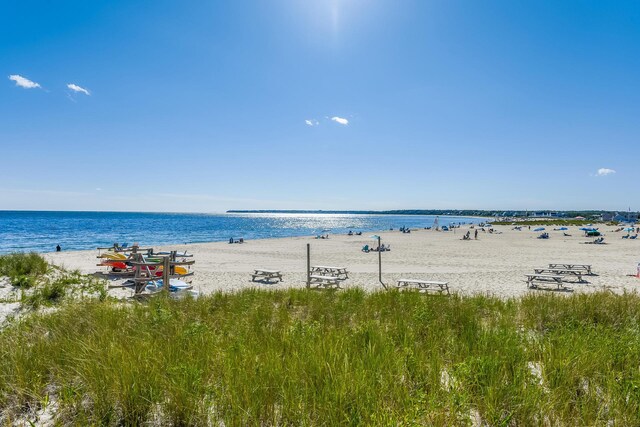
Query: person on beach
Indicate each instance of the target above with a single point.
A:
(475, 234)
(58, 248)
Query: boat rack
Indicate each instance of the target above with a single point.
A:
(142, 275)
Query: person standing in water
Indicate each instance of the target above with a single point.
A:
(58, 248)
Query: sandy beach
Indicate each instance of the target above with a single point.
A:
(494, 264)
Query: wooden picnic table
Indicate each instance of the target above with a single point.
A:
(545, 278)
(562, 272)
(322, 270)
(266, 274)
(583, 267)
(325, 281)
(424, 285)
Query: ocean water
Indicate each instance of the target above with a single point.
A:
(22, 231)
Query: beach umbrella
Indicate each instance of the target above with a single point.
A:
(563, 228)
(375, 236)
(539, 229)
(630, 229)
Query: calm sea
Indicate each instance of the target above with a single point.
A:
(22, 231)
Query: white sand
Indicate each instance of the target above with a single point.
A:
(494, 264)
(9, 300)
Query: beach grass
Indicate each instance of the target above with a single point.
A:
(300, 357)
(23, 270)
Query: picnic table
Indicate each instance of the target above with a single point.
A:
(266, 275)
(322, 270)
(583, 267)
(532, 279)
(325, 281)
(562, 272)
(423, 285)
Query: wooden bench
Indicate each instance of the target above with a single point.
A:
(584, 267)
(321, 270)
(266, 275)
(532, 279)
(562, 272)
(325, 281)
(424, 285)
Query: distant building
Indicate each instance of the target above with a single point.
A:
(546, 214)
(626, 217)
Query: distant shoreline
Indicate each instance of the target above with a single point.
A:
(432, 212)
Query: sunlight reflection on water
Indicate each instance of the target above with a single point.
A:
(42, 231)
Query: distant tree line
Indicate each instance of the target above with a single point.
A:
(453, 212)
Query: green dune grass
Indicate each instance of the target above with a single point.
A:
(300, 357)
(23, 270)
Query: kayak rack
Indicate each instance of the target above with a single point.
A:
(144, 274)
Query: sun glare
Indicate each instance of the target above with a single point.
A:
(333, 18)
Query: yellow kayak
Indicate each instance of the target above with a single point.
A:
(176, 270)
(113, 256)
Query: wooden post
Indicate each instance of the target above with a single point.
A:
(308, 265)
(380, 263)
(137, 275)
(166, 274)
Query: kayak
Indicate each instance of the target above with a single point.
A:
(113, 256)
(176, 270)
(175, 285)
(115, 264)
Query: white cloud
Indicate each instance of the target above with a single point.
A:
(77, 88)
(340, 120)
(312, 122)
(605, 172)
(23, 82)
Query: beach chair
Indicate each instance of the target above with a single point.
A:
(625, 237)
(365, 248)
(634, 237)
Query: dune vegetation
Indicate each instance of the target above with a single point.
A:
(23, 270)
(300, 357)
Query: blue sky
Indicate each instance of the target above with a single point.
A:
(204, 106)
